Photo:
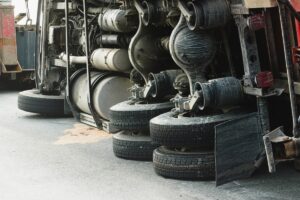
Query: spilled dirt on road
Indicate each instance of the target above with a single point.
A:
(82, 134)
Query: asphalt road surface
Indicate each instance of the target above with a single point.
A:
(44, 158)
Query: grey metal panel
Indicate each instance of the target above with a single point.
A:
(26, 48)
(238, 146)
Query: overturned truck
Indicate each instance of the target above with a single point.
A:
(198, 86)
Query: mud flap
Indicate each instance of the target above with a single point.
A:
(238, 145)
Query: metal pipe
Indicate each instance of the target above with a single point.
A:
(37, 44)
(44, 52)
(72, 59)
(289, 66)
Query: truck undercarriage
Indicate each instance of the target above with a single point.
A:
(198, 86)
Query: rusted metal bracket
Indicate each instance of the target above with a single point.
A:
(193, 102)
(260, 92)
(249, 50)
(137, 92)
(181, 103)
(148, 90)
(280, 147)
(145, 92)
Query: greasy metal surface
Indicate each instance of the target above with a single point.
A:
(144, 52)
(249, 49)
(237, 147)
(192, 51)
(280, 147)
(275, 136)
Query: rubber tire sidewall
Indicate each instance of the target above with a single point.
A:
(34, 102)
(191, 132)
(127, 116)
(179, 165)
(133, 147)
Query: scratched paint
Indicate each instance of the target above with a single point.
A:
(9, 25)
(82, 134)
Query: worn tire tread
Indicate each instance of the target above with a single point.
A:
(197, 132)
(136, 117)
(199, 166)
(43, 106)
(124, 147)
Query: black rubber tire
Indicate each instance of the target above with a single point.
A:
(34, 102)
(133, 116)
(133, 147)
(191, 132)
(198, 165)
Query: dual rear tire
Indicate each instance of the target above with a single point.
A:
(187, 144)
(134, 142)
(132, 146)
